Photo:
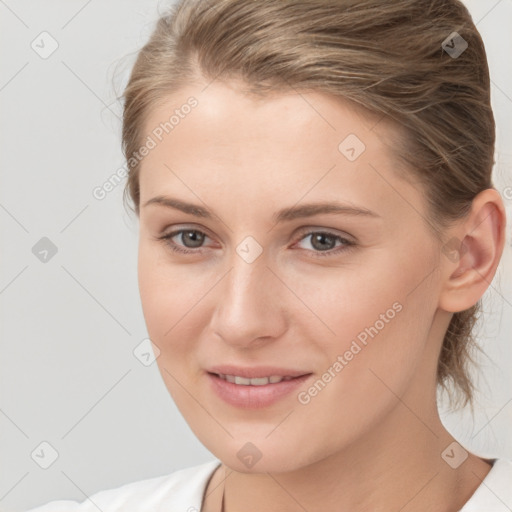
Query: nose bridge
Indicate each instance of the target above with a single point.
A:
(249, 272)
(246, 287)
(248, 306)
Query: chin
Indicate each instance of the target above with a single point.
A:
(262, 457)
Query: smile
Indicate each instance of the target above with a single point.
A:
(261, 381)
(254, 392)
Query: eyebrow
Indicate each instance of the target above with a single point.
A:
(286, 214)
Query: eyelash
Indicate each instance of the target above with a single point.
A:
(347, 244)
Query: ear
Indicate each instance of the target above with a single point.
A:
(473, 250)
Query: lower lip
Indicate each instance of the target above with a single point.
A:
(254, 397)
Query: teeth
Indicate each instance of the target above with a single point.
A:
(260, 381)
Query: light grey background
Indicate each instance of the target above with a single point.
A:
(69, 326)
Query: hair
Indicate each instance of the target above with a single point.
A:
(388, 57)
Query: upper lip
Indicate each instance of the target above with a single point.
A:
(256, 372)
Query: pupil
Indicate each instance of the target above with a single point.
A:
(194, 237)
(321, 237)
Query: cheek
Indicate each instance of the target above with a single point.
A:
(382, 328)
(161, 293)
(150, 288)
(163, 306)
(171, 304)
(371, 360)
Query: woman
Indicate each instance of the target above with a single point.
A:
(317, 226)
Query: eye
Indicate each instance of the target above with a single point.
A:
(324, 243)
(191, 238)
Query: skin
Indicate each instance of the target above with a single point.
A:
(372, 438)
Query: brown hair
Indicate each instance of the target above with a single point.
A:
(393, 58)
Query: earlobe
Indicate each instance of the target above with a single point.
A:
(472, 254)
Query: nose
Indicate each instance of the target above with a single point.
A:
(250, 304)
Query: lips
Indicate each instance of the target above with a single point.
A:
(256, 372)
(250, 388)
(258, 381)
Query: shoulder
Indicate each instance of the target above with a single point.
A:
(494, 494)
(182, 490)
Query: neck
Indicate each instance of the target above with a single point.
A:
(397, 467)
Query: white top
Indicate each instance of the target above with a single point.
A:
(182, 491)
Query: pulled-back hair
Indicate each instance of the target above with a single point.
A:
(385, 56)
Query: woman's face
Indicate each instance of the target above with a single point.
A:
(308, 255)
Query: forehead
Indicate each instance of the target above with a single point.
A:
(287, 144)
(224, 111)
